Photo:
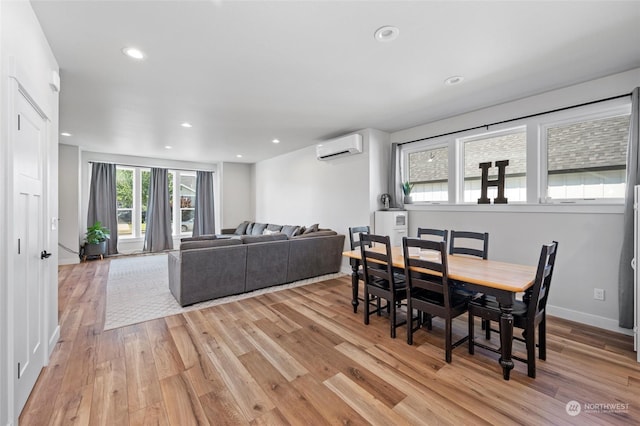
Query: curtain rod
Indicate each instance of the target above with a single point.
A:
(486, 126)
(151, 167)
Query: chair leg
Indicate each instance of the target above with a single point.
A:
(392, 317)
(542, 338)
(487, 329)
(366, 305)
(429, 322)
(530, 341)
(447, 342)
(471, 327)
(410, 321)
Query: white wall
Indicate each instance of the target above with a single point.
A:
(25, 56)
(237, 194)
(297, 189)
(69, 207)
(590, 237)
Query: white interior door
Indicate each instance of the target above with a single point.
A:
(28, 242)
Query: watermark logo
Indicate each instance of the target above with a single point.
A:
(573, 408)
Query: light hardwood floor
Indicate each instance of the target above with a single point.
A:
(301, 356)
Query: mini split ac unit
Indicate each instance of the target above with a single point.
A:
(346, 145)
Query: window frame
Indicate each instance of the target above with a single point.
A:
(436, 143)
(475, 136)
(611, 109)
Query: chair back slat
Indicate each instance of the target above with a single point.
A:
(481, 241)
(440, 234)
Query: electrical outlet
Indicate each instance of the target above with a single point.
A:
(598, 293)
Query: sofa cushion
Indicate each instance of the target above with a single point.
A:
(199, 238)
(273, 227)
(189, 245)
(290, 230)
(250, 239)
(242, 228)
(314, 234)
(258, 228)
(312, 228)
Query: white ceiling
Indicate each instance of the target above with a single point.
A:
(244, 72)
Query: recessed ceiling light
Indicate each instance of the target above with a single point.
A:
(134, 53)
(453, 80)
(239, 155)
(65, 134)
(168, 147)
(185, 124)
(386, 33)
(276, 141)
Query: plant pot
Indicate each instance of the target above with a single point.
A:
(408, 199)
(99, 249)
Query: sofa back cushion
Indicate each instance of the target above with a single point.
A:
(189, 245)
(199, 238)
(250, 239)
(324, 233)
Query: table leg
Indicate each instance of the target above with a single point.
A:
(355, 265)
(506, 340)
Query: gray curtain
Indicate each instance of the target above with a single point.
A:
(395, 178)
(102, 202)
(158, 233)
(204, 219)
(625, 278)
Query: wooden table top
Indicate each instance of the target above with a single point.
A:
(490, 273)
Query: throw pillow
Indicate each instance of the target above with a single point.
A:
(290, 230)
(242, 228)
(269, 232)
(272, 227)
(312, 228)
(249, 229)
(258, 228)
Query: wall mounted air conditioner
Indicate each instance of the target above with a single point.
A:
(346, 145)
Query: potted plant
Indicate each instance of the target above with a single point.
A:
(406, 190)
(96, 237)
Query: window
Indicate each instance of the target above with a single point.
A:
(507, 145)
(132, 196)
(187, 201)
(586, 159)
(124, 200)
(429, 172)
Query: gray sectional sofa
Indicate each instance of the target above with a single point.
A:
(236, 262)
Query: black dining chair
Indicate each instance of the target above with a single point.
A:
(528, 314)
(431, 294)
(354, 235)
(439, 234)
(380, 281)
(469, 243)
(354, 240)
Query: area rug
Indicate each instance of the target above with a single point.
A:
(138, 291)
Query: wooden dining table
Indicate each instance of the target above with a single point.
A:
(499, 279)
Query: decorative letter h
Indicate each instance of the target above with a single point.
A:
(486, 183)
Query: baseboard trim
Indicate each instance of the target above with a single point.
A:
(588, 319)
(53, 340)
